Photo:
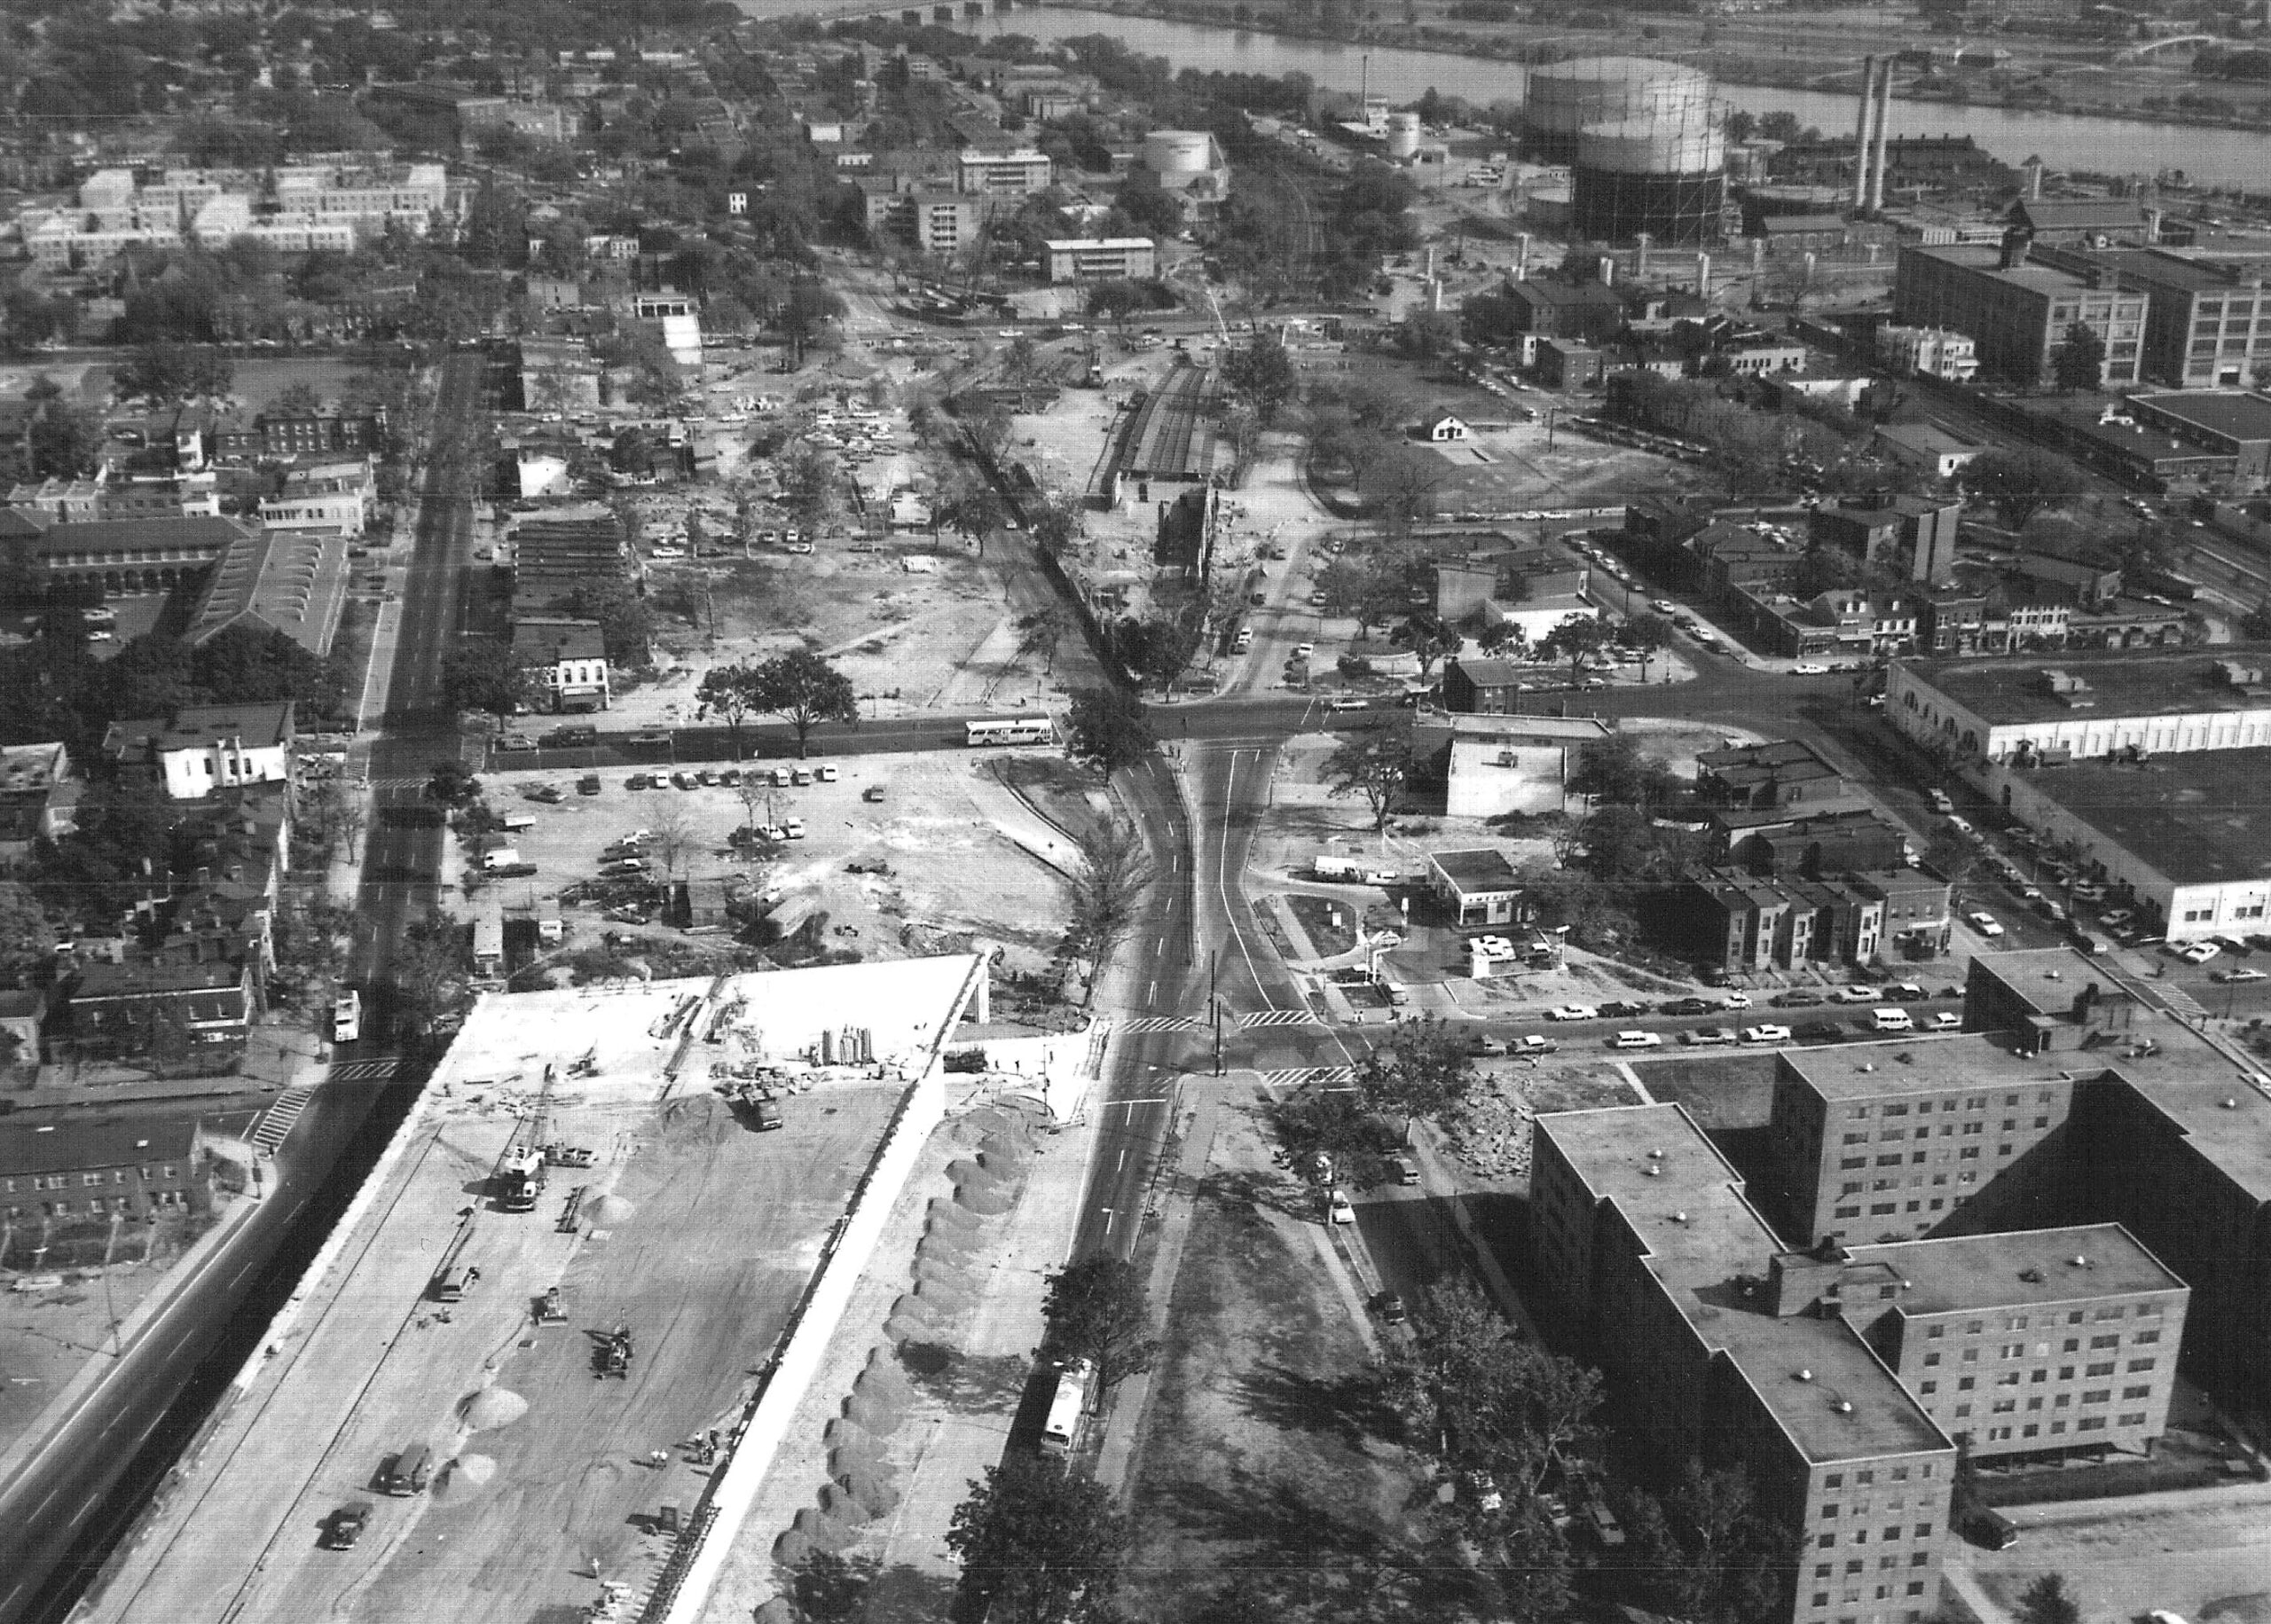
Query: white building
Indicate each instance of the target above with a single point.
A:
(1018, 173)
(206, 747)
(1095, 259)
(329, 497)
(2075, 706)
(680, 322)
(567, 659)
(1931, 352)
(1508, 763)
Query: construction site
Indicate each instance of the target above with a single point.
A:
(544, 1365)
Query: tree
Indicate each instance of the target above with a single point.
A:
(27, 941)
(66, 442)
(671, 836)
(452, 783)
(810, 486)
(1021, 365)
(1114, 874)
(1037, 1546)
(484, 675)
(1109, 726)
(803, 689)
(1824, 569)
(1118, 300)
(428, 970)
(1372, 765)
(975, 512)
(1262, 373)
(1097, 1310)
(1614, 772)
(1424, 1069)
(2079, 362)
(1429, 638)
(1041, 631)
(1705, 1552)
(297, 400)
(1575, 641)
(246, 665)
(730, 692)
(2045, 1602)
(2021, 484)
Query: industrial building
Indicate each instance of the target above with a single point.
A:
(2207, 320)
(1645, 143)
(1911, 536)
(2072, 706)
(2017, 309)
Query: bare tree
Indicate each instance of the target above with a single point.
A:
(1108, 890)
(671, 836)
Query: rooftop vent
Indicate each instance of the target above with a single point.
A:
(1844, 1407)
(2229, 1103)
(1655, 1156)
(1679, 1218)
(2078, 1261)
(1652, 1171)
(1805, 1375)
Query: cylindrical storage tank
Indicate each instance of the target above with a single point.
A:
(1403, 135)
(1664, 174)
(1564, 97)
(1177, 152)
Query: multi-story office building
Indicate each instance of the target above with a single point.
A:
(2207, 320)
(1884, 1142)
(2017, 311)
(935, 222)
(1092, 259)
(1913, 538)
(2023, 1343)
(1017, 173)
(1645, 1237)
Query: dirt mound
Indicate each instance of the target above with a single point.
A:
(699, 1118)
(990, 1201)
(609, 1211)
(843, 1509)
(780, 1610)
(873, 1413)
(944, 1242)
(948, 1300)
(881, 1379)
(1003, 1155)
(992, 1119)
(474, 1469)
(842, 1434)
(946, 1215)
(792, 1549)
(914, 1308)
(491, 1408)
(947, 1271)
(871, 1487)
(823, 1531)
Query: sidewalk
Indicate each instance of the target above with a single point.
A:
(1021, 825)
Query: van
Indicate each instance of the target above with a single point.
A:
(1985, 1525)
(1325, 867)
(1405, 1173)
(1890, 1020)
(503, 857)
(450, 1284)
(792, 828)
(513, 822)
(780, 777)
(408, 1473)
(1243, 642)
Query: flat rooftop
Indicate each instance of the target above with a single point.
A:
(2194, 1085)
(2122, 683)
(1986, 260)
(2235, 414)
(2198, 817)
(2020, 1267)
(1918, 1065)
(1706, 1242)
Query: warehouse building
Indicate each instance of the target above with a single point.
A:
(2019, 311)
(2077, 705)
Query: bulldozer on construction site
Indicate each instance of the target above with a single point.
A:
(614, 1354)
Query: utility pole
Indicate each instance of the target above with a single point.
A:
(1215, 1003)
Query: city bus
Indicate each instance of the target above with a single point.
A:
(1068, 1411)
(1012, 730)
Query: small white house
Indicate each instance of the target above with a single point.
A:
(1447, 430)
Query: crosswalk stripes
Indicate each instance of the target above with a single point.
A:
(1307, 1076)
(1143, 1023)
(364, 1071)
(1279, 1017)
(276, 1122)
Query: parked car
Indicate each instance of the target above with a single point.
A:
(2240, 975)
(1947, 1020)
(1572, 1012)
(1390, 1306)
(2198, 952)
(1824, 1032)
(1637, 1041)
(1532, 1044)
(1688, 1006)
(1734, 1001)
(1984, 922)
(1338, 1210)
(1621, 1011)
(1705, 1035)
(347, 1524)
(1767, 1032)
(1798, 998)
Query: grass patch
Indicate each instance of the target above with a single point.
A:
(1263, 1453)
(1723, 1092)
(1580, 1086)
(1317, 916)
(1054, 786)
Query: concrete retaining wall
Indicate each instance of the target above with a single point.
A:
(734, 1490)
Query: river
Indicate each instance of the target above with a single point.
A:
(2063, 141)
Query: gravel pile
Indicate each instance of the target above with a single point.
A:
(1491, 1134)
(608, 1212)
(491, 1408)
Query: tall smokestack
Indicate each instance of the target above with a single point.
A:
(1884, 124)
(1640, 257)
(1861, 135)
(1703, 277)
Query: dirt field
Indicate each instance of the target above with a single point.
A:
(1261, 1458)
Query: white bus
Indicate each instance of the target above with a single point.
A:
(347, 1018)
(1012, 730)
(1068, 1411)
